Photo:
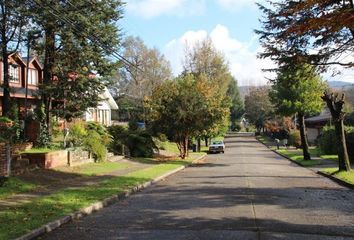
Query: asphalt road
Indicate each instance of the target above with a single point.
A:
(247, 193)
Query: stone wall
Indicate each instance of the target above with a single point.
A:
(78, 157)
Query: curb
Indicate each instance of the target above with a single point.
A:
(333, 178)
(48, 227)
(337, 180)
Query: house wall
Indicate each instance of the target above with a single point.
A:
(102, 114)
(312, 134)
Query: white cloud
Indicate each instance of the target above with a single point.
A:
(243, 61)
(155, 8)
(238, 4)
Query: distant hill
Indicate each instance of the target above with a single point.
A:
(339, 85)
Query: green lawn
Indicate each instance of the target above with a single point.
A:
(298, 157)
(16, 221)
(170, 147)
(95, 168)
(345, 176)
(14, 186)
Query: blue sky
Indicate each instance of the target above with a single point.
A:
(171, 24)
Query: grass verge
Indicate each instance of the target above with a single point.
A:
(15, 186)
(95, 168)
(344, 176)
(17, 221)
(298, 157)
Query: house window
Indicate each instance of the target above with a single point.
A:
(32, 77)
(14, 73)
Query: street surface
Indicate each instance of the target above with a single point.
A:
(247, 193)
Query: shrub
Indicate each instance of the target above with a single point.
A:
(93, 143)
(119, 134)
(77, 133)
(327, 141)
(281, 134)
(295, 139)
(140, 144)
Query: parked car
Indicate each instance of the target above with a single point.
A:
(217, 147)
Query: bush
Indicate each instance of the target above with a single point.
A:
(295, 139)
(77, 133)
(327, 141)
(281, 134)
(139, 142)
(119, 134)
(93, 143)
(236, 127)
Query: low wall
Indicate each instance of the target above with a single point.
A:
(48, 160)
(78, 156)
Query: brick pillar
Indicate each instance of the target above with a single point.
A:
(3, 160)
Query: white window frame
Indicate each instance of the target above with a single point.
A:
(14, 74)
(32, 76)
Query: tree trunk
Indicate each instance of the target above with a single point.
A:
(198, 144)
(344, 163)
(335, 105)
(206, 141)
(48, 69)
(6, 77)
(304, 142)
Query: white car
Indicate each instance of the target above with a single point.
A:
(217, 147)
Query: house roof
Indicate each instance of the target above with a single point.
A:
(31, 59)
(108, 97)
(320, 118)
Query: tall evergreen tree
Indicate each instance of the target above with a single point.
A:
(12, 22)
(298, 91)
(80, 40)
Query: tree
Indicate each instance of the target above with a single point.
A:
(237, 108)
(323, 30)
(298, 91)
(258, 107)
(148, 69)
(317, 32)
(335, 105)
(204, 61)
(192, 105)
(12, 23)
(77, 44)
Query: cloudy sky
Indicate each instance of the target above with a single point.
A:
(171, 24)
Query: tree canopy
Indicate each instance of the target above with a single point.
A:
(148, 69)
(318, 32)
(258, 107)
(185, 107)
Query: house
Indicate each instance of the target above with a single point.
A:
(17, 72)
(103, 112)
(314, 125)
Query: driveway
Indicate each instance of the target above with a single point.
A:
(247, 193)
